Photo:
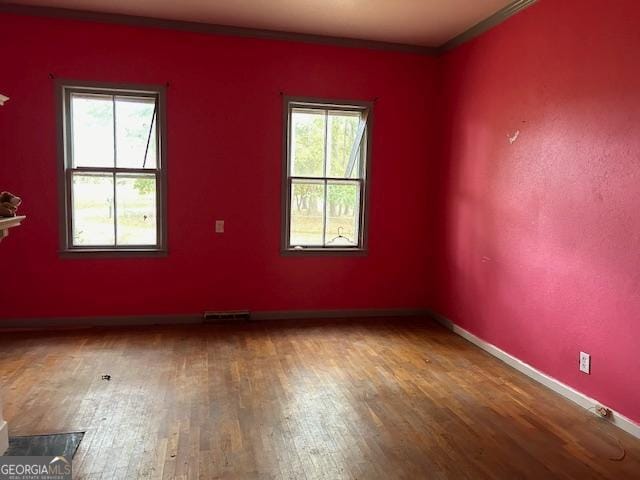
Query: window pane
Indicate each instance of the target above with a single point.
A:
(343, 214)
(135, 126)
(92, 130)
(307, 212)
(343, 128)
(136, 202)
(307, 142)
(92, 214)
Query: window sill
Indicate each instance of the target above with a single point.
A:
(79, 253)
(337, 252)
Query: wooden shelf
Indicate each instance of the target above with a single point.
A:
(9, 222)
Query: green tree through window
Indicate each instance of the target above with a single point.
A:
(326, 148)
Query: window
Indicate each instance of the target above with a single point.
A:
(325, 179)
(113, 164)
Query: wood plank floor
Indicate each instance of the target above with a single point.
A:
(312, 400)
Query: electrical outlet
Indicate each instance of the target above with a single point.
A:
(585, 362)
(219, 226)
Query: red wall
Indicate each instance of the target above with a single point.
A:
(225, 129)
(531, 245)
(541, 237)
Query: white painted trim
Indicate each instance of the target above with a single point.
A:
(566, 391)
(4, 436)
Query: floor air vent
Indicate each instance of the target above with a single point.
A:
(229, 315)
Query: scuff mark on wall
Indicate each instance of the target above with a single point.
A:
(514, 137)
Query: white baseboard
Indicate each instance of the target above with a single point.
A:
(4, 437)
(566, 391)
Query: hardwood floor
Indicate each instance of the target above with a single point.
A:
(312, 400)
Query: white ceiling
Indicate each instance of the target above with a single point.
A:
(413, 22)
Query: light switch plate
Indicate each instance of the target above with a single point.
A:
(219, 226)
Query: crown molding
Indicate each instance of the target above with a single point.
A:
(212, 29)
(486, 24)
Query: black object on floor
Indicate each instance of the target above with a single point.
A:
(60, 444)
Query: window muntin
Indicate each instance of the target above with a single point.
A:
(113, 169)
(326, 148)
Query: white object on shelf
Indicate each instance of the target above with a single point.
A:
(9, 222)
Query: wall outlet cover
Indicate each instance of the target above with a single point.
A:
(585, 362)
(219, 226)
